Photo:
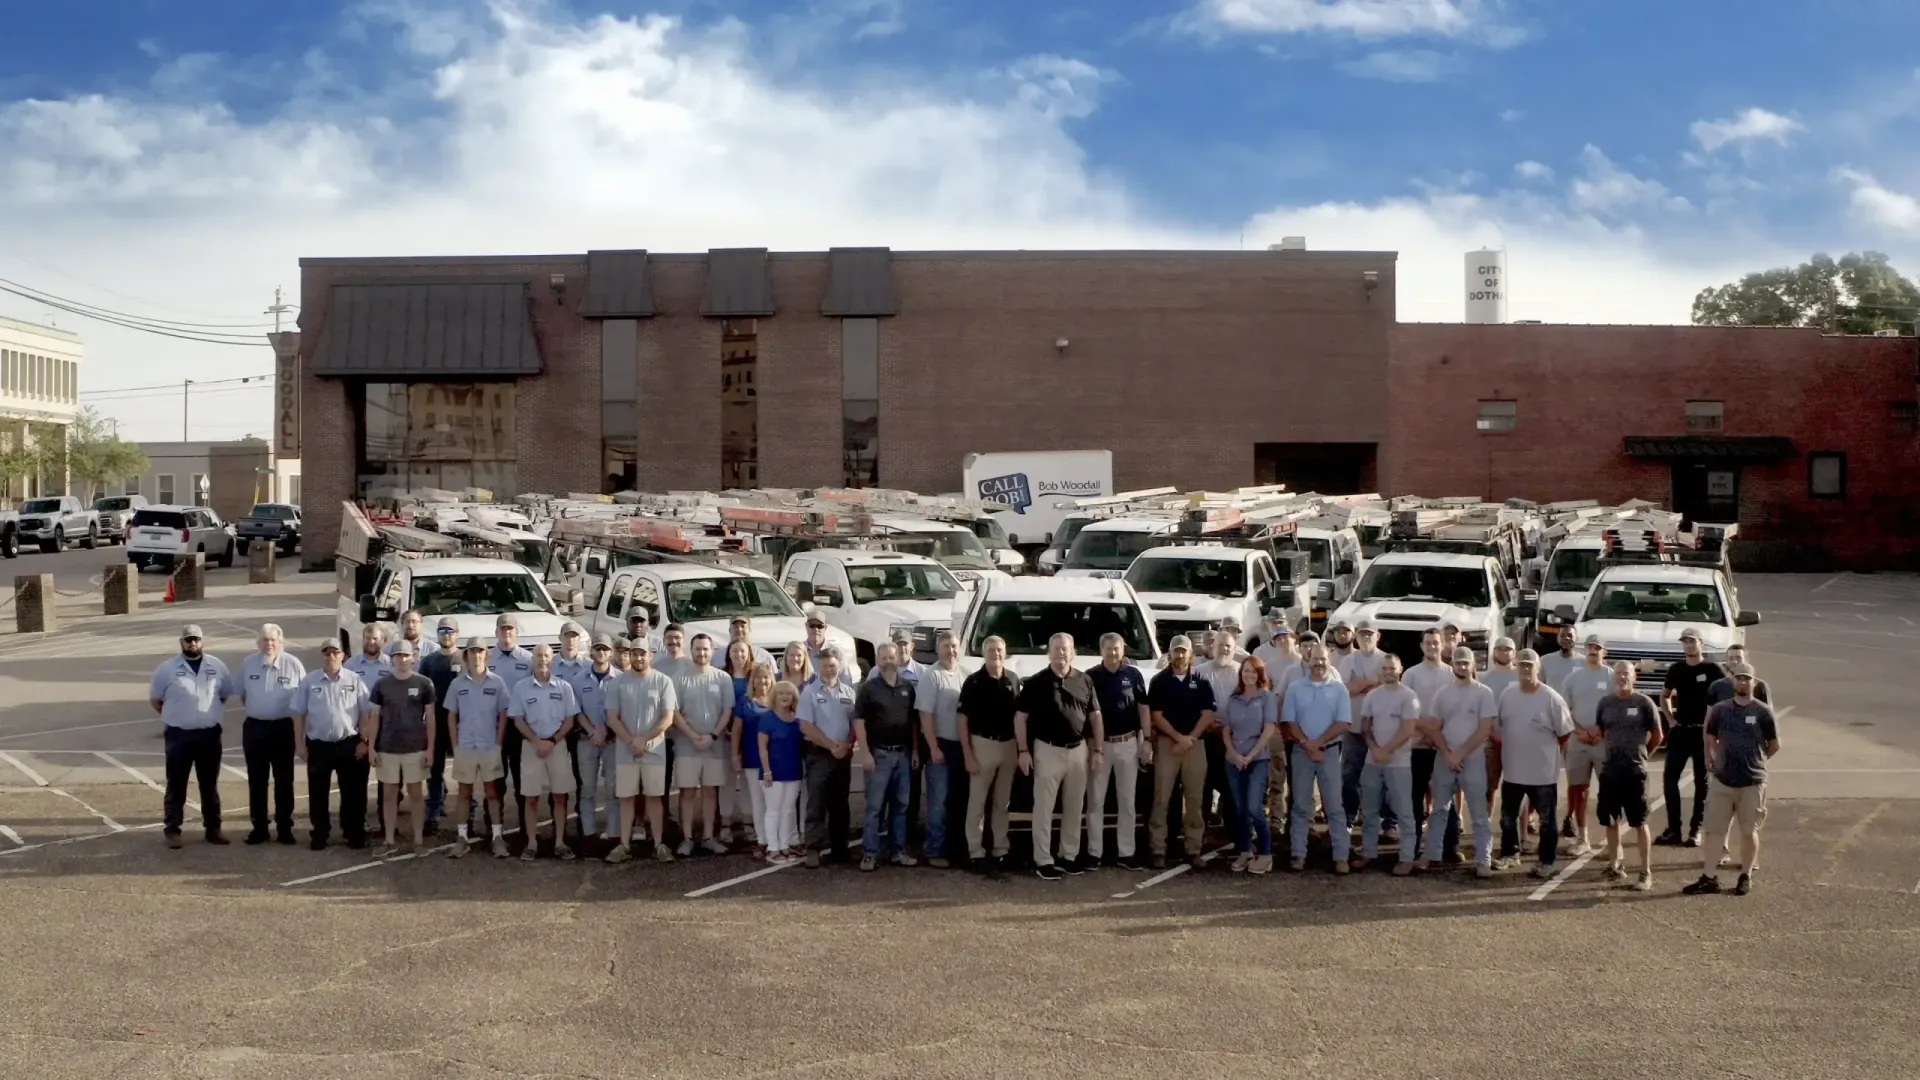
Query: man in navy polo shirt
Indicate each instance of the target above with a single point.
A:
(1181, 701)
(1122, 693)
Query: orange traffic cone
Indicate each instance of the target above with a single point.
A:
(169, 598)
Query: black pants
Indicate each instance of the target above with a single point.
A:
(327, 761)
(1685, 743)
(1545, 799)
(829, 781)
(510, 757)
(1217, 794)
(268, 745)
(192, 750)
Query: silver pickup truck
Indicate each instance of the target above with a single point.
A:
(55, 521)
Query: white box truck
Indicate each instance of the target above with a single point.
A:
(1040, 486)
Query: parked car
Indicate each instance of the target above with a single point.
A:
(116, 512)
(276, 523)
(56, 520)
(161, 534)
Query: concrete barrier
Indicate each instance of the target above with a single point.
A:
(121, 584)
(260, 563)
(35, 605)
(189, 581)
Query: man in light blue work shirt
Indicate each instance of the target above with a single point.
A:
(543, 708)
(595, 684)
(826, 723)
(571, 662)
(476, 702)
(268, 680)
(327, 709)
(370, 663)
(1317, 712)
(188, 692)
(513, 664)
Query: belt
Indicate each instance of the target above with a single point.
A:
(993, 738)
(900, 749)
(269, 719)
(1063, 745)
(1128, 737)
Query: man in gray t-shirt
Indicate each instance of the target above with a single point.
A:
(1629, 725)
(1741, 735)
(402, 740)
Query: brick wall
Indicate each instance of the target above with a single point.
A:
(679, 403)
(799, 379)
(1582, 389)
(1179, 364)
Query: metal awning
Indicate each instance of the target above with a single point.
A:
(859, 283)
(619, 286)
(739, 284)
(428, 328)
(1711, 447)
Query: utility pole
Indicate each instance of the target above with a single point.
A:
(185, 386)
(280, 307)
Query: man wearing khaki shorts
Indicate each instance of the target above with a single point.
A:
(1583, 689)
(543, 709)
(477, 706)
(1741, 735)
(704, 705)
(402, 739)
(640, 708)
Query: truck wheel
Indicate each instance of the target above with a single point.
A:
(93, 538)
(226, 557)
(9, 545)
(58, 543)
(242, 545)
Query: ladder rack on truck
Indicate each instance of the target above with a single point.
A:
(1639, 543)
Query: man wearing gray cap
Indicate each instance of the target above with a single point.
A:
(327, 713)
(1340, 641)
(568, 662)
(477, 702)
(1685, 700)
(1741, 735)
(1584, 689)
(1182, 706)
(1499, 675)
(595, 686)
(441, 667)
(370, 663)
(402, 733)
(640, 708)
(514, 665)
(1360, 670)
(189, 691)
(1533, 726)
(1463, 714)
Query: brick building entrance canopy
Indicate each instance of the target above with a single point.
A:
(1711, 447)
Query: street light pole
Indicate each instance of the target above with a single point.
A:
(185, 384)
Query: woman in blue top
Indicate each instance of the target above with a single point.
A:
(1250, 718)
(780, 772)
(795, 666)
(749, 705)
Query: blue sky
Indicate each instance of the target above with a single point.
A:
(176, 157)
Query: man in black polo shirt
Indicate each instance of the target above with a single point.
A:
(1124, 720)
(1181, 701)
(1056, 716)
(883, 722)
(987, 702)
(1685, 699)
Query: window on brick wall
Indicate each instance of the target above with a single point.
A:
(1498, 415)
(450, 436)
(1827, 474)
(1705, 417)
(860, 402)
(1906, 416)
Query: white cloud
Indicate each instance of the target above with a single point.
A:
(1512, 116)
(1609, 189)
(1403, 65)
(1533, 171)
(1361, 18)
(1878, 205)
(1752, 125)
(553, 134)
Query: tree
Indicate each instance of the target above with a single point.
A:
(1859, 294)
(96, 456)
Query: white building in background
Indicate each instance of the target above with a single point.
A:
(1486, 282)
(39, 398)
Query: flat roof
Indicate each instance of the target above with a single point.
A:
(1010, 255)
(38, 328)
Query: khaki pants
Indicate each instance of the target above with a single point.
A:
(1189, 767)
(1745, 807)
(1122, 765)
(996, 778)
(1058, 773)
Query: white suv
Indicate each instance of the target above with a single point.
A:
(870, 594)
(158, 535)
(1026, 612)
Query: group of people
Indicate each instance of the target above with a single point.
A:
(768, 743)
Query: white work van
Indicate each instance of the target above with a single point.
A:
(1064, 535)
(1106, 547)
(701, 597)
(954, 546)
(870, 594)
(1333, 567)
(1026, 612)
(474, 591)
(1195, 588)
(1566, 580)
(1403, 593)
(1640, 610)
(1039, 485)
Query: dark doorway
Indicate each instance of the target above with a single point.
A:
(1329, 468)
(1707, 491)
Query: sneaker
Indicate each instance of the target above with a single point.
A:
(499, 847)
(1744, 885)
(1048, 872)
(256, 837)
(1422, 865)
(1240, 862)
(869, 863)
(662, 853)
(1358, 863)
(1340, 866)
(1132, 864)
(1482, 871)
(1693, 839)
(686, 849)
(1670, 838)
(1616, 873)
(459, 849)
(1506, 862)
(174, 841)
(939, 863)
(1452, 858)
(726, 836)
(714, 846)
(1580, 849)
(1643, 883)
(1541, 871)
(621, 853)
(1261, 864)
(811, 860)
(1403, 869)
(1297, 865)
(563, 853)
(1704, 886)
(1072, 867)
(389, 851)
(532, 853)
(904, 859)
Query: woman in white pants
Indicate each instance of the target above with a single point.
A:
(750, 710)
(781, 772)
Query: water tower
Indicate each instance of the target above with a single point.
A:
(1486, 282)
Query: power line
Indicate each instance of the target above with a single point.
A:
(156, 320)
(174, 392)
(232, 339)
(176, 386)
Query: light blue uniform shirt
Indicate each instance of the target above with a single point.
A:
(331, 704)
(829, 708)
(369, 668)
(1318, 705)
(191, 700)
(595, 692)
(569, 668)
(543, 705)
(267, 689)
(476, 705)
(512, 667)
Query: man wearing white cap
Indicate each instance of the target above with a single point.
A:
(1685, 700)
(1463, 715)
(189, 691)
(1584, 689)
(1533, 726)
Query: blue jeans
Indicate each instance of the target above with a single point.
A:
(1396, 784)
(1248, 789)
(1545, 799)
(1305, 773)
(1472, 780)
(888, 786)
(1353, 758)
(940, 781)
(1423, 762)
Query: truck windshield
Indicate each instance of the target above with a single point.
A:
(40, 506)
(1460, 585)
(478, 594)
(1027, 627)
(1663, 601)
(711, 599)
(919, 582)
(1108, 549)
(1214, 577)
(990, 531)
(112, 504)
(1069, 529)
(271, 511)
(1572, 570)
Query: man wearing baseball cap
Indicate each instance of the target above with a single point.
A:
(640, 709)
(1685, 701)
(1583, 690)
(1360, 670)
(401, 730)
(327, 713)
(514, 665)
(1181, 704)
(1533, 726)
(477, 702)
(441, 667)
(1741, 735)
(1465, 712)
(189, 692)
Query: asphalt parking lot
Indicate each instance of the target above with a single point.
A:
(127, 959)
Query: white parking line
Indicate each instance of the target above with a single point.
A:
(731, 882)
(1822, 587)
(38, 780)
(1169, 875)
(83, 727)
(110, 823)
(11, 835)
(131, 771)
(1574, 867)
(241, 773)
(357, 867)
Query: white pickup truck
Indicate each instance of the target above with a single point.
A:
(1026, 612)
(55, 521)
(870, 594)
(703, 598)
(1403, 593)
(1194, 588)
(1641, 609)
(475, 591)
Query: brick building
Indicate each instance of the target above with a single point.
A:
(1197, 369)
